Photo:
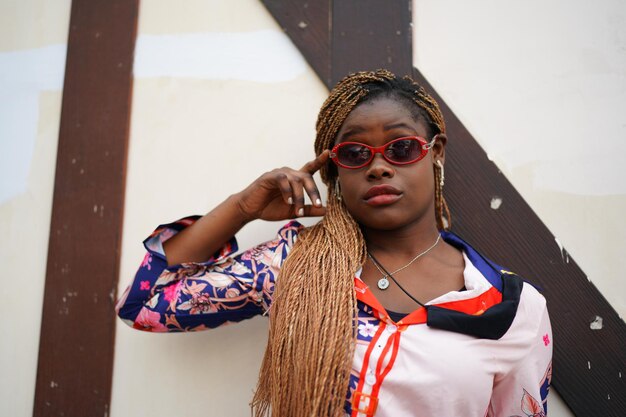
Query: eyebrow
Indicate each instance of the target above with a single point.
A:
(358, 129)
(352, 131)
(398, 125)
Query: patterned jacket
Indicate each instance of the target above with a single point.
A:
(484, 351)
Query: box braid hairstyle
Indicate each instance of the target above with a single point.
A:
(307, 363)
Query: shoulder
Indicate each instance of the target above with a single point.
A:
(532, 305)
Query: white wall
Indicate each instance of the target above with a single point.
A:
(549, 74)
(32, 61)
(542, 87)
(518, 74)
(220, 96)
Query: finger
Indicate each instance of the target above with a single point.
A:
(285, 188)
(312, 211)
(311, 190)
(297, 191)
(313, 166)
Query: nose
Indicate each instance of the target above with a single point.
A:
(380, 168)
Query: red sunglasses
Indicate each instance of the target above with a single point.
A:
(401, 151)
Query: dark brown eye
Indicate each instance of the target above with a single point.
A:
(404, 150)
(353, 154)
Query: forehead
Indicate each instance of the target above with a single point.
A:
(381, 115)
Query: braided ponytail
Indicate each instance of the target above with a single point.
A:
(307, 362)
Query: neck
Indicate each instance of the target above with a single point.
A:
(406, 241)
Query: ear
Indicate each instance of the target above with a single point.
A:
(438, 151)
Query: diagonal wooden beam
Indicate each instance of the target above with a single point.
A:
(588, 363)
(75, 365)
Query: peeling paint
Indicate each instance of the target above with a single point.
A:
(596, 323)
(263, 55)
(302, 25)
(589, 364)
(53, 384)
(496, 202)
(564, 254)
(24, 75)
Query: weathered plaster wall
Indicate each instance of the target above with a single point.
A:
(542, 87)
(220, 96)
(32, 61)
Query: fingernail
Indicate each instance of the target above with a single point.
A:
(290, 200)
(318, 202)
(301, 212)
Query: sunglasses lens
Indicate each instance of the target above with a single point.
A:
(353, 155)
(403, 151)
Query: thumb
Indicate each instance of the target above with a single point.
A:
(312, 211)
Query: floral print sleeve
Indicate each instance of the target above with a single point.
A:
(198, 296)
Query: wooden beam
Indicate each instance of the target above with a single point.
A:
(369, 35)
(75, 366)
(588, 364)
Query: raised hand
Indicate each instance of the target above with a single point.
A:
(275, 195)
(279, 194)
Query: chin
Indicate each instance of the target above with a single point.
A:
(382, 222)
(393, 218)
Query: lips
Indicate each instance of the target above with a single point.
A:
(382, 195)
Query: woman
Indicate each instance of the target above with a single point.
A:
(375, 310)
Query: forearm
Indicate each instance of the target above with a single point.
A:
(199, 241)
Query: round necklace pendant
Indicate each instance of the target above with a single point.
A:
(383, 283)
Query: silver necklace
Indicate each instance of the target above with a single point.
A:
(383, 283)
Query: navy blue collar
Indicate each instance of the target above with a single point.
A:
(494, 322)
(490, 270)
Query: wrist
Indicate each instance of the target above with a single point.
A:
(238, 207)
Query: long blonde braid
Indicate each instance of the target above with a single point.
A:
(307, 363)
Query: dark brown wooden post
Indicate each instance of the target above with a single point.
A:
(78, 324)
